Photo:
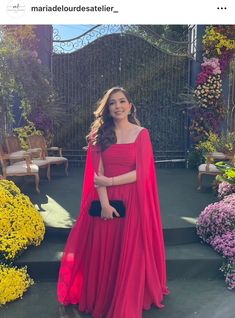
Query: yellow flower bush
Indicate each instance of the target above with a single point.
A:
(21, 224)
(13, 283)
(218, 40)
(216, 143)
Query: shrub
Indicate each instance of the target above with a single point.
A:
(13, 283)
(225, 189)
(21, 225)
(216, 219)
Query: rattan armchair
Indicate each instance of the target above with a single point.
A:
(22, 168)
(40, 142)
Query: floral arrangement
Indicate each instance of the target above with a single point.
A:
(219, 47)
(203, 121)
(214, 142)
(209, 91)
(208, 145)
(21, 225)
(216, 226)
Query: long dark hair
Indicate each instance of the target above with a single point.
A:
(102, 131)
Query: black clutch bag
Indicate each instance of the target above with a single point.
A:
(95, 209)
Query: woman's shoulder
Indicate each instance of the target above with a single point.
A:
(140, 130)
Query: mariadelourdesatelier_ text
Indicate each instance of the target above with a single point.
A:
(79, 8)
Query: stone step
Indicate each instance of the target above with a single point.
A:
(188, 298)
(173, 236)
(192, 260)
(181, 202)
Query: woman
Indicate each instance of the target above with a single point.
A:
(114, 266)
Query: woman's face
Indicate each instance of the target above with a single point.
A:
(119, 106)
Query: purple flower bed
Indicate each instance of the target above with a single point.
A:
(230, 277)
(216, 226)
(216, 219)
(225, 59)
(228, 268)
(225, 189)
(225, 245)
(230, 199)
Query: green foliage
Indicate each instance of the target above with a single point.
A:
(227, 141)
(24, 132)
(223, 143)
(211, 144)
(228, 172)
(22, 75)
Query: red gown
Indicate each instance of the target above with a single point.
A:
(116, 268)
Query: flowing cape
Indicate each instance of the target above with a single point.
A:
(72, 266)
(151, 222)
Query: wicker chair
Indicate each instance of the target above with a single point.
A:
(22, 168)
(40, 142)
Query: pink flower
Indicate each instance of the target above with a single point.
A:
(225, 245)
(213, 63)
(225, 189)
(34, 54)
(228, 268)
(230, 199)
(216, 219)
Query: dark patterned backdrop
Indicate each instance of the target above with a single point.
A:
(154, 74)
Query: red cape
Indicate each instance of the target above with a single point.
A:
(71, 271)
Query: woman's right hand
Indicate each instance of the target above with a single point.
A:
(107, 212)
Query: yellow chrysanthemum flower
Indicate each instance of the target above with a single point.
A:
(13, 283)
(21, 225)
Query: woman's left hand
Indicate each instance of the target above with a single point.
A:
(102, 181)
